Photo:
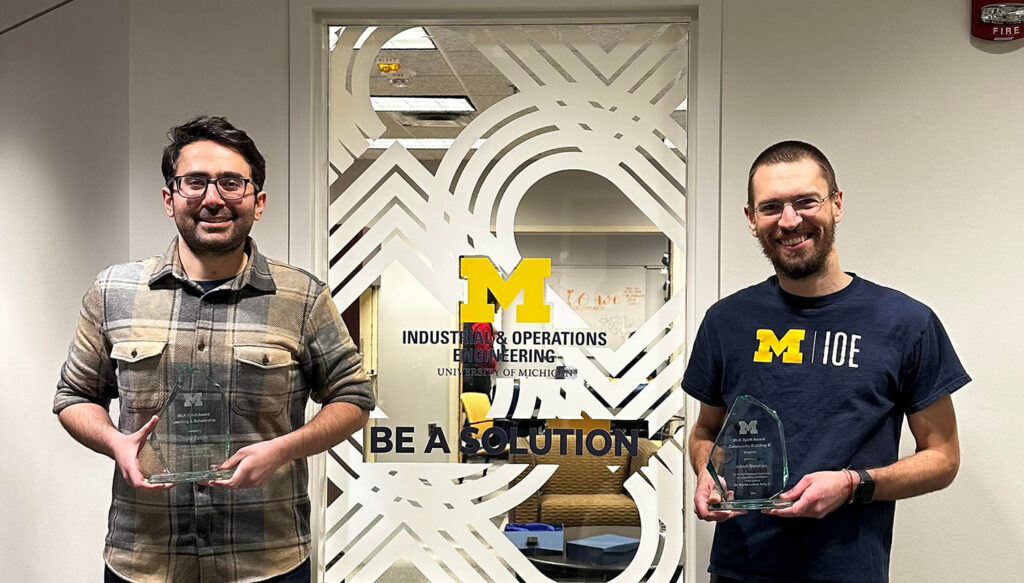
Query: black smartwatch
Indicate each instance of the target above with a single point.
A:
(865, 490)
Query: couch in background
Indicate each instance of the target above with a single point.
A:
(584, 491)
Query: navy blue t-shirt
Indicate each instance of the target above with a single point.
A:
(841, 370)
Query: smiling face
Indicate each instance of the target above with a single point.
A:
(210, 225)
(798, 245)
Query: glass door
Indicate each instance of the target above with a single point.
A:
(507, 206)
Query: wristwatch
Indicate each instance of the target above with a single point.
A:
(865, 490)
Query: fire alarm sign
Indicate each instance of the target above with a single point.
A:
(1000, 21)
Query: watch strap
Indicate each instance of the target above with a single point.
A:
(866, 488)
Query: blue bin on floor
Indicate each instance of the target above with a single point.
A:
(548, 541)
(605, 549)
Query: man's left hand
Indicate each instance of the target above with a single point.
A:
(815, 495)
(253, 465)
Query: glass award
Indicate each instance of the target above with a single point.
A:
(748, 459)
(192, 438)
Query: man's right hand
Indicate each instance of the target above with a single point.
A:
(126, 448)
(706, 494)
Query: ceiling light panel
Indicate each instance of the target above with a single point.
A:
(421, 104)
(411, 38)
(417, 143)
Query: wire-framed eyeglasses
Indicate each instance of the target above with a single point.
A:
(805, 205)
(195, 185)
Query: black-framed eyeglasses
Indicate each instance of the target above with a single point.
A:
(805, 205)
(195, 185)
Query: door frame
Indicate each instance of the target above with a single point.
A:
(309, 170)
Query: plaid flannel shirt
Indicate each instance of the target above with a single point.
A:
(273, 338)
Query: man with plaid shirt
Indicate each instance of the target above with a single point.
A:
(266, 332)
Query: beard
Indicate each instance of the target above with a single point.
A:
(806, 264)
(220, 244)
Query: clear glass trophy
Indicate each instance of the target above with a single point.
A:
(748, 460)
(192, 438)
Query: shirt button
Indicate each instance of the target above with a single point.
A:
(266, 360)
(135, 353)
(202, 347)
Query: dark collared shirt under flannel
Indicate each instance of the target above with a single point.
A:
(273, 339)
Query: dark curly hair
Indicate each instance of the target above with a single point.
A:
(219, 130)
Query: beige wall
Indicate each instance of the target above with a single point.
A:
(236, 54)
(63, 185)
(926, 131)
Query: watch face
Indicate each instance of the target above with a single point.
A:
(866, 488)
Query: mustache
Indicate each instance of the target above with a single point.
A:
(207, 215)
(785, 233)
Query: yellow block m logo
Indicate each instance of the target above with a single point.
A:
(528, 277)
(788, 348)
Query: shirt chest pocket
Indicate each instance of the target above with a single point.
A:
(263, 378)
(140, 374)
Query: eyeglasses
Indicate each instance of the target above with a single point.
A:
(805, 205)
(195, 185)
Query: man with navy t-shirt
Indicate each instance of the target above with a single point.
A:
(842, 361)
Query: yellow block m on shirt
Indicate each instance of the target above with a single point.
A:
(771, 346)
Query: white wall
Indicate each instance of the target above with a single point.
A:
(17, 11)
(236, 54)
(578, 199)
(926, 131)
(63, 194)
(408, 386)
